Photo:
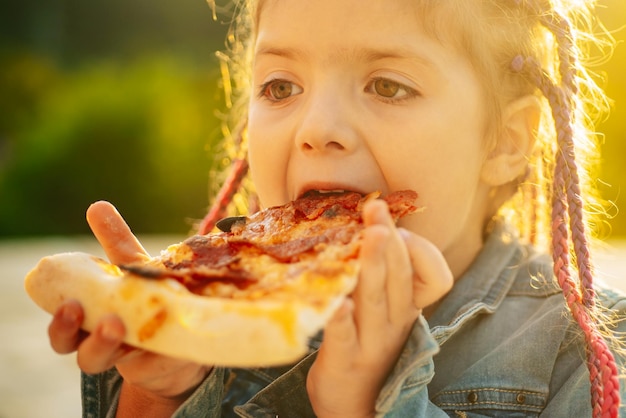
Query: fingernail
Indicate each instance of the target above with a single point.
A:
(345, 310)
(110, 332)
(68, 316)
(404, 233)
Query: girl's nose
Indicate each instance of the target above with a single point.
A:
(327, 126)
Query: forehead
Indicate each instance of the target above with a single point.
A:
(338, 19)
(434, 15)
(344, 28)
(452, 23)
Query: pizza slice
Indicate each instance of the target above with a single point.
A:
(251, 295)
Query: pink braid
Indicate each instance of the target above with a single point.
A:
(238, 170)
(567, 203)
(561, 29)
(231, 185)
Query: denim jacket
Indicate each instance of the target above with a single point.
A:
(502, 343)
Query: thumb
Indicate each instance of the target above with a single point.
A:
(114, 235)
(433, 278)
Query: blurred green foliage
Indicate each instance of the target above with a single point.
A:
(118, 100)
(107, 100)
(136, 136)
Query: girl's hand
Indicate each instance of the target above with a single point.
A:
(401, 273)
(150, 380)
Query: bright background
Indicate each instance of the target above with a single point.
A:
(119, 100)
(613, 176)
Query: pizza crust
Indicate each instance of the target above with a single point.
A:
(164, 317)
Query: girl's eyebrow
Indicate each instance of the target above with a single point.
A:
(278, 52)
(400, 53)
(365, 54)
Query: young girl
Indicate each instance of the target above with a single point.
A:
(481, 107)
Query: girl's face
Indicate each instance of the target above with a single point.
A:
(353, 95)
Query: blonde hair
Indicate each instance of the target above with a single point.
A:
(519, 47)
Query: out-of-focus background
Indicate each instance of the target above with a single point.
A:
(121, 101)
(111, 100)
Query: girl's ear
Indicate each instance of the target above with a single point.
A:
(509, 157)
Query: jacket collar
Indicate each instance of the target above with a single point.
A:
(483, 286)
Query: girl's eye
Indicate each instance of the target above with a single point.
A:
(389, 89)
(276, 90)
(386, 88)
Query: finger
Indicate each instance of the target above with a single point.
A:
(432, 278)
(371, 309)
(399, 271)
(114, 235)
(340, 338)
(150, 370)
(64, 329)
(103, 347)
